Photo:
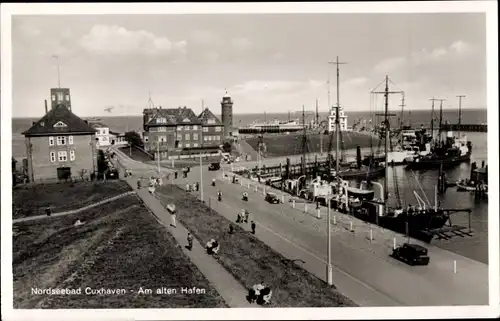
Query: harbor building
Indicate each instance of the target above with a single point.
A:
(177, 131)
(227, 114)
(342, 120)
(60, 144)
(106, 137)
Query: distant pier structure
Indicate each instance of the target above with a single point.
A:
(227, 114)
(478, 128)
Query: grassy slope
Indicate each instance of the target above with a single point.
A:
(285, 145)
(121, 245)
(62, 196)
(251, 260)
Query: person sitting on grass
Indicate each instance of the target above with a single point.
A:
(231, 229)
(212, 247)
(265, 296)
(255, 292)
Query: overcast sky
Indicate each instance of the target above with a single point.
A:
(272, 63)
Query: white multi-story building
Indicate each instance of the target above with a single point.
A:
(342, 120)
(105, 137)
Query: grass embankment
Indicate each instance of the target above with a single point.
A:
(33, 200)
(120, 246)
(286, 145)
(250, 260)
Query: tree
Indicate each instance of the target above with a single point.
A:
(227, 147)
(102, 165)
(134, 139)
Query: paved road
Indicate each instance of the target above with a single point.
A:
(362, 270)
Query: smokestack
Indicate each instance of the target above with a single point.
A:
(46, 110)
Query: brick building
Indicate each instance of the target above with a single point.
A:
(176, 131)
(60, 142)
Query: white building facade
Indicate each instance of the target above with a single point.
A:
(105, 137)
(342, 120)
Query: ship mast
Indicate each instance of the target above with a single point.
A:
(460, 112)
(432, 118)
(304, 141)
(440, 119)
(386, 115)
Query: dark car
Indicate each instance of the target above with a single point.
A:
(214, 167)
(112, 173)
(272, 198)
(411, 254)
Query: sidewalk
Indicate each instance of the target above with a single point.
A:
(226, 285)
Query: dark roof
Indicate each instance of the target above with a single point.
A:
(45, 125)
(206, 115)
(174, 116)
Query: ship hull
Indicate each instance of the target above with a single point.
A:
(418, 224)
(432, 163)
(362, 173)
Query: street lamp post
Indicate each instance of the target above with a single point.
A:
(329, 270)
(158, 153)
(201, 178)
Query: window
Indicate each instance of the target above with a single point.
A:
(67, 97)
(188, 145)
(51, 141)
(179, 128)
(60, 96)
(71, 155)
(70, 140)
(52, 157)
(146, 139)
(209, 138)
(186, 127)
(186, 120)
(205, 129)
(104, 139)
(211, 121)
(195, 145)
(195, 136)
(195, 127)
(161, 121)
(180, 145)
(53, 97)
(205, 138)
(61, 140)
(60, 124)
(164, 154)
(218, 129)
(62, 156)
(187, 137)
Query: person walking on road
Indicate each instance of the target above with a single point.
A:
(253, 227)
(219, 196)
(231, 229)
(174, 218)
(246, 214)
(190, 241)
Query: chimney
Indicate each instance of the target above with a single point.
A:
(46, 110)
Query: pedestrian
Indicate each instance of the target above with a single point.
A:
(194, 187)
(231, 229)
(238, 218)
(138, 183)
(175, 175)
(174, 217)
(190, 241)
(247, 214)
(219, 196)
(253, 227)
(188, 187)
(48, 210)
(213, 181)
(197, 186)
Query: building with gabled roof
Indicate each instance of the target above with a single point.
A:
(105, 137)
(60, 143)
(174, 131)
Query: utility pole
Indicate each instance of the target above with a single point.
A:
(317, 114)
(440, 118)
(460, 112)
(386, 115)
(158, 151)
(201, 178)
(304, 141)
(56, 57)
(432, 117)
(319, 129)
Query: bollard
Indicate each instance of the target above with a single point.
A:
(248, 186)
(351, 226)
(172, 163)
(256, 189)
(264, 191)
(334, 220)
(283, 199)
(293, 203)
(371, 234)
(319, 213)
(241, 183)
(394, 243)
(454, 266)
(305, 207)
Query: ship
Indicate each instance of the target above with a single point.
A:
(277, 126)
(423, 221)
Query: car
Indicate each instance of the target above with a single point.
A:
(272, 198)
(214, 167)
(411, 254)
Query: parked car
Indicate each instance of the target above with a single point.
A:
(214, 167)
(272, 198)
(412, 254)
(112, 173)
